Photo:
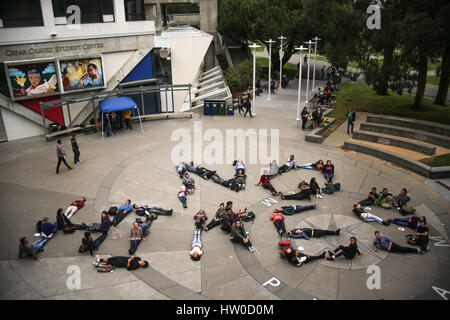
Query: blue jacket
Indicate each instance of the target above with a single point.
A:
(383, 243)
(48, 228)
(126, 207)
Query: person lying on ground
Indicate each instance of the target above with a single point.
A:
(421, 237)
(103, 226)
(331, 187)
(31, 249)
(63, 222)
(48, 229)
(290, 210)
(205, 173)
(87, 244)
(304, 193)
(371, 198)
(290, 164)
(307, 233)
(295, 257)
(312, 166)
(239, 165)
(385, 199)
(278, 220)
(314, 188)
(190, 167)
(200, 219)
(131, 263)
(196, 251)
(265, 180)
(349, 252)
(136, 236)
(144, 210)
(182, 196)
(217, 220)
(409, 222)
(74, 206)
(181, 169)
(367, 217)
(189, 183)
(385, 243)
(401, 203)
(122, 212)
(239, 235)
(328, 170)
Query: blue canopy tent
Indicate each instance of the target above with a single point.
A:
(118, 104)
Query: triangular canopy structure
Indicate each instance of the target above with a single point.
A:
(118, 104)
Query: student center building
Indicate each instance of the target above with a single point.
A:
(67, 50)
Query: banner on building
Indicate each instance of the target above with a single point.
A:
(81, 74)
(28, 80)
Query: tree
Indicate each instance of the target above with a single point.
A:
(442, 22)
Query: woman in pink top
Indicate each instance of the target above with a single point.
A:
(278, 220)
(136, 237)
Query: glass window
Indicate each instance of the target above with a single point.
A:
(21, 13)
(134, 10)
(91, 11)
(162, 67)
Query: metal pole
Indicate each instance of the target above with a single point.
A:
(270, 66)
(140, 120)
(299, 82)
(281, 58)
(167, 102)
(190, 98)
(43, 118)
(70, 116)
(307, 76)
(316, 39)
(142, 99)
(254, 46)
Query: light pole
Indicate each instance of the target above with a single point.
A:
(281, 58)
(254, 46)
(270, 64)
(309, 43)
(299, 82)
(315, 55)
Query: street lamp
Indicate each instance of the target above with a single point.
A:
(309, 43)
(315, 54)
(299, 82)
(254, 46)
(281, 58)
(270, 64)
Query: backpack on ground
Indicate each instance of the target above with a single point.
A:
(249, 217)
(140, 212)
(113, 211)
(68, 230)
(39, 226)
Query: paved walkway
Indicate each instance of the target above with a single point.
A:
(137, 166)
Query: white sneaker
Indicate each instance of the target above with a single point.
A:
(95, 263)
(251, 249)
(317, 195)
(320, 196)
(37, 234)
(98, 259)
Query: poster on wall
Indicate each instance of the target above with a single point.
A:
(81, 74)
(27, 80)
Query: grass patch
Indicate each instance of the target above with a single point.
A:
(438, 161)
(260, 49)
(363, 98)
(434, 80)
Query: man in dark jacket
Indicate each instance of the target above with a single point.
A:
(239, 235)
(349, 252)
(131, 263)
(75, 149)
(351, 116)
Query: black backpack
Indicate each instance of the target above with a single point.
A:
(249, 217)
(39, 226)
(113, 211)
(140, 212)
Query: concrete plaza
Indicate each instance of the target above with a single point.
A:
(139, 167)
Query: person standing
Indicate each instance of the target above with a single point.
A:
(240, 103)
(60, 154)
(351, 116)
(304, 115)
(107, 124)
(248, 108)
(75, 149)
(126, 115)
(114, 123)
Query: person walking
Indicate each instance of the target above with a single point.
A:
(248, 108)
(75, 149)
(114, 123)
(240, 103)
(351, 116)
(304, 115)
(60, 154)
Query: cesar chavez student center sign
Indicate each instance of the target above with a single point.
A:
(51, 50)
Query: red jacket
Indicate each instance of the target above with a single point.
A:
(79, 204)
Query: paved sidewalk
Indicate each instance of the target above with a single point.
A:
(139, 167)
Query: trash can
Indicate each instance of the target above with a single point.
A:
(222, 108)
(214, 107)
(230, 110)
(207, 107)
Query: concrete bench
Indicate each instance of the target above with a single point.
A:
(432, 138)
(54, 135)
(411, 164)
(428, 126)
(315, 135)
(394, 141)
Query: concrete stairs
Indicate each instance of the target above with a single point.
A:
(403, 141)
